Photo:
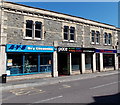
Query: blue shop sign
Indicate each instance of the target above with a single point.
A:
(28, 48)
(105, 51)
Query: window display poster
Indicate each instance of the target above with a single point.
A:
(9, 62)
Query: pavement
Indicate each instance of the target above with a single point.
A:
(47, 81)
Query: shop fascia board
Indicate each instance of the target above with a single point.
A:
(52, 13)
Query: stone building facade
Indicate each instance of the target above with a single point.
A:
(34, 40)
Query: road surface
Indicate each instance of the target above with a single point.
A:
(103, 89)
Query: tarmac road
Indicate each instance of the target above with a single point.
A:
(102, 89)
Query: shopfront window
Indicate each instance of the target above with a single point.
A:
(108, 60)
(45, 62)
(88, 61)
(31, 63)
(76, 61)
(18, 64)
(14, 64)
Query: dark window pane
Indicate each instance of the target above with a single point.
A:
(109, 39)
(37, 34)
(38, 25)
(65, 36)
(93, 36)
(97, 36)
(38, 28)
(105, 38)
(71, 36)
(92, 39)
(66, 28)
(72, 33)
(72, 30)
(66, 32)
(29, 24)
(28, 33)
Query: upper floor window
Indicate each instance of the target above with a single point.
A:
(33, 29)
(69, 33)
(66, 32)
(109, 39)
(29, 28)
(72, 33)
(95, 37)
(105, 38)
(38, 29)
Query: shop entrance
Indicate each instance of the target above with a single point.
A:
(98, 62)
(62, 64)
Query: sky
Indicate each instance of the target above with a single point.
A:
(105, 12)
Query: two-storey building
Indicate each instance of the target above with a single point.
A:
(34, 40)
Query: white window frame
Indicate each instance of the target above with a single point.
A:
(106, 38)
(33, 34)
(70, 34)
(75, 35)
(110, 38)
(67, 33)
(92, 42)
(36, 38)
(26, 37)
(97, 37)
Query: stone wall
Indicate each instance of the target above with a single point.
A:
(52, 32)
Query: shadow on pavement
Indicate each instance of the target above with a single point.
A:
(107, 100)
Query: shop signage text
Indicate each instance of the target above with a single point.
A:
(69, 49)
(105, 51)
(88, 50)
(28, 48)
